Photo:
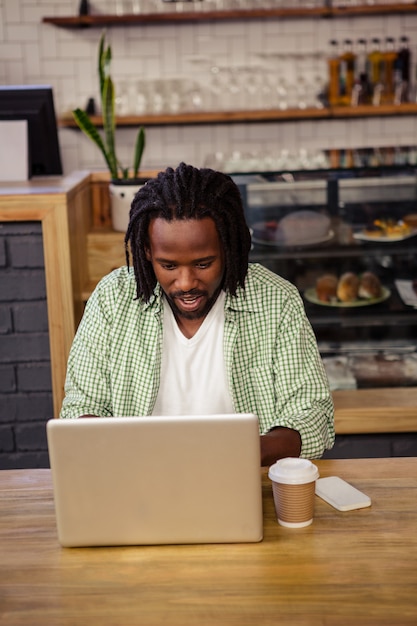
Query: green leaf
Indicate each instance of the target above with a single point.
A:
(86, 125)
(101, 61)
(109, 121)
(139, 148)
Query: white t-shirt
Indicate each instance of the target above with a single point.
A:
(193, 372)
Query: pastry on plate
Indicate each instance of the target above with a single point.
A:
(410, 220)
(388, 228)
(369, 286)
(326, 288)
(348, 287)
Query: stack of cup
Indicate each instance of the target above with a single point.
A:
(293, 487)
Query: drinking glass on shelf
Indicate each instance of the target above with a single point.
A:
(213, 83)
(276, 86)
(317, 91)
(119, 7)
(174, 95)
(309, 80)
(141, 7)
(215, 88)
(261, 88)
(215, 160)
(122, 98)
(127, 7)
(281, 89)
(300, 83)
(194, 96)
(139, 97)
(232, 90)
(251, 87)
(156, 97)
(208, 5)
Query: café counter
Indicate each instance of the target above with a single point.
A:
(356, 567)
(73, 211)
(62, 206)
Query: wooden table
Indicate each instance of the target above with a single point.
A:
(358, 567)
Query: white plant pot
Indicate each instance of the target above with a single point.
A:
(121, 196)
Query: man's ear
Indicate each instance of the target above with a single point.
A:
(148, 254)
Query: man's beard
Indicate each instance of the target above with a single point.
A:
(192, 315)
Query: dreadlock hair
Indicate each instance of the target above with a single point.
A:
(183, 194)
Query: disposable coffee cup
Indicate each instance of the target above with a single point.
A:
(293, 488)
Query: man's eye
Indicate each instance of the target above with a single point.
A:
(203, 266)
(167, 266)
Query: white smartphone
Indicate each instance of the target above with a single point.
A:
(341, 495)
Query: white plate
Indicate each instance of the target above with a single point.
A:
(293, 243)
(361, 236)
(311, 296)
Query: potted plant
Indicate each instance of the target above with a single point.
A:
(125, 181)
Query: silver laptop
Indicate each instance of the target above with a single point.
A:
(156, 480)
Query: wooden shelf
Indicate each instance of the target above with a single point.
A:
(373, 9)
(206, 117)
(368, 110)
(169, 17)
(268, 115)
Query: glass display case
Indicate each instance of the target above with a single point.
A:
(346, 224)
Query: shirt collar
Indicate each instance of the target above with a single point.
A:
(244, 300)
(155, 301)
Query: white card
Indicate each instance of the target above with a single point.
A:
(406, 291)
(341, 494)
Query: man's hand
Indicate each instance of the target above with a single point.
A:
(279, 443)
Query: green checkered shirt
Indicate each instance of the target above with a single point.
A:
(273, 365)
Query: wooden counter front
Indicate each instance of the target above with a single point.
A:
(62, 205)
(388, 410)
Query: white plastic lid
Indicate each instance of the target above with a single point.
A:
(293, 471)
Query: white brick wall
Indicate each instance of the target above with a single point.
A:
(32, 52)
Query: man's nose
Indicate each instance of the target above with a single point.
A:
(186, 279)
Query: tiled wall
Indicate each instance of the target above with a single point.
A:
(33, 52)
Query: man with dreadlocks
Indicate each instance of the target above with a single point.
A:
(193, 328)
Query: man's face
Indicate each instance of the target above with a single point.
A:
(187, 259)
